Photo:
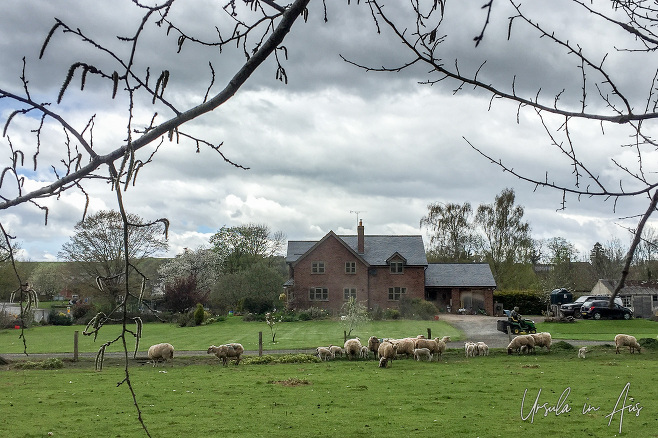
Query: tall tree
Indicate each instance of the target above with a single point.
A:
(244, 245)
(99, 249)
(202, 264)
(452, 236)
(506, 236)
(560, 255)
(608, 260)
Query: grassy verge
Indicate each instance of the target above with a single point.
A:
(602, 330)
(293, 335)
(457, 397)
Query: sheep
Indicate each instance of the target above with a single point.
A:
(422, 353)
(543, 339)
(336, 350)
(364, 352)
(482, 349)
(405, 346)
(431, 344)
(581, 352)
(518, 342)
(227, 351)
(386, 352)
(373, 344)
(162, 351)
(441, 345)
(627, 340)
(352, 348)
(470, 348)
(324, 353)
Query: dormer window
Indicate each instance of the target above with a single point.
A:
(397, 268)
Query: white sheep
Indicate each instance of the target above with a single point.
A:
(405, 346)
(441, 344)
(543, 339)
(163, 351)
(627, 341)
(352, 348)
(336, 350)
(482, 349)
(522, 343)
(373, 344)
(324, 353)
(365, 352)
(422, 353)
(581, 352)
(470, 348)
(227, 351)
(386, 352)
(431, 344)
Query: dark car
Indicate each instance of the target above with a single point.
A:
(573, 309)
(601, 309)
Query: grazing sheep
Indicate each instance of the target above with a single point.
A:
(482, 349)
(629, 341)
(159, 352)
(364, 352)
(422, 353)
(405, 346)
(373, 344)
(352, 348)
(431, 344)
(470, 348)
(324, 353)
(522, 343)
(386, 352)
(543, 339)
(582, 352)
(227, 351)
(336, 350)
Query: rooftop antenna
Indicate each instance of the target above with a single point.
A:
(357, 214)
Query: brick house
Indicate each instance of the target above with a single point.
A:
(376, 270)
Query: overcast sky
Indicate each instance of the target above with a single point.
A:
(334, 143)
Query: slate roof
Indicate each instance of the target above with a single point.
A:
(632, 287)
(378, 248)
(459, 275)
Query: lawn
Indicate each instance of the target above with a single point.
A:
(483, 396)
(289, 335)
(602, 330)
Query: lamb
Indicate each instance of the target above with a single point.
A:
(386, 352)
(470, 348)
(518, 342)
(227, 351)
(352, 348)
(364, 352)
(336, 350)
(581, 352)
(482, 349)
(422, 353)
(431, 344)
(324, 353)
(543, 339)
(627, 340)
(373, 344)
(163, 351)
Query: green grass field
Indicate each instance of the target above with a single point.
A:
(292, 335)
(457, 397)
(602, 330)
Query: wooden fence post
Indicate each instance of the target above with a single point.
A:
(260, 344)
(75, 345)
(429, 333)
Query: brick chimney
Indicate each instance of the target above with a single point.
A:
(360, 238)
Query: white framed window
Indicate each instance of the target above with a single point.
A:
(626, 301)
(350, 267)
(349, 292)
(319, 294)
(397, 268)
(317, 268)
(395, 293)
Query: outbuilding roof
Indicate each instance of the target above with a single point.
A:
(459, 275)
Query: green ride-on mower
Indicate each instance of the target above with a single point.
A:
(516, 326)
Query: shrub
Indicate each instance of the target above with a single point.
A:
(259, 305)
(48, 364)
(528, 302)
(59, 318)
(648, 343)
(391, 314)
(417, 308)
(199, 314)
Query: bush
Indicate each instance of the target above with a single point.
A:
(199, 314)
(59, 318)
(260, 305)
(648, 343)
(391, 314)
(528, 302)
(415, 308)
(48, 364)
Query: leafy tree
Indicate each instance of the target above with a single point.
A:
(202, 264)
(353, 314)
(608, 260)
(452, 238)
(182, 295)
(99, 249)
(560, 255)
(259, 284)
(506, 236)
(241, 246)
(49, 278)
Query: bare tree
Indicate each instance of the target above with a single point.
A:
(258, 28)
(597, 94)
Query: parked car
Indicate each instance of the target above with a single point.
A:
(598, 309)
(573, 309)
